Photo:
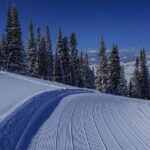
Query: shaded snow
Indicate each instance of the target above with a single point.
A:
(16, 89)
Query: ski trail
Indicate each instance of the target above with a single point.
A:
(107, 137)
(53, 128)
(102, 141)
(40, 140)
(134, 139)
(132, 124)
(64, 136)
(38, 119)
(78, 133)
(93, 136)
(116, 130)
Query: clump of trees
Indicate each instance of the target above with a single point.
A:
(67, 65)
(38, 59)
(110, 76)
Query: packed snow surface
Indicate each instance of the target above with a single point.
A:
(95, 122)
(51, 116)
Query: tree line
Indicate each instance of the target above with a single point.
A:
(110, 76)
(67, 65)
(37, 58)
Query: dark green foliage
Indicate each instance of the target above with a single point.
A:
(57, 70)
(42, 70)
(3, 53)
(102, 70)
(135, 81)
(9, 37)
(114, 71)
(74, 61)
(16, 61)
(58, 67)
(50, 58)
(65, 60)
(32, 52)
(122, 88)
(144, 73)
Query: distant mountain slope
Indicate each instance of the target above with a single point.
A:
(127, 59)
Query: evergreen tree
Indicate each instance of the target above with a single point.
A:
(145, 81)
(90, 74)
(38, 40)
(86, 76)
(130, 89)
(32, 52)
(65, 60)
(57, 70)
(114, 71)
(74, 60)
(135, 82)
(122, 89)
(3, 57)
(81, 68)
(42, 60)
(49, 54)
(102, 72)
(85, 72)
(9, 37)
(38, 35)
(16, 60)
(58, 67)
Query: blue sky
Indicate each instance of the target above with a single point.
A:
(124, 22)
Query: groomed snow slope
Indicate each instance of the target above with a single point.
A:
(96, 122)
(64, 118)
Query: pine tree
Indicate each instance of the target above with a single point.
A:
(90, 75)
(57, 70)
(102, 72)
(145, 81)
(49, 54)
(38, 35)
(32, 52)
(114, 71)
(86, 76)
(65, 60)
(130, 94)
(58, 74)
(42, 60)
(85, 72)
(135, 82)
(81, 72)
(16, 60)
(38, 40)
(74, 60)
(3, 57)
(122, 89)
(9, 37)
